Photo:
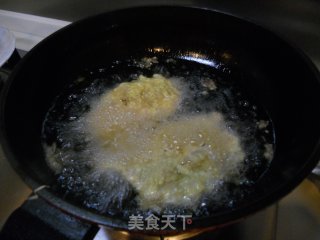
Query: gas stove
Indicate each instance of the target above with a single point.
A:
(295, 217)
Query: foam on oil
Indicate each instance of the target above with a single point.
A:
(185, 154)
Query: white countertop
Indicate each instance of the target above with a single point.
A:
(29, 29)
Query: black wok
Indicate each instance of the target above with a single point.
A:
(283, 81)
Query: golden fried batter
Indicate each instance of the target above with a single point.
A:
(131, 104)
(167, 160)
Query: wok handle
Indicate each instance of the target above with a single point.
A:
(7, 68)
(37, 220)
(4, 74)
(12, 61)
(315, 176)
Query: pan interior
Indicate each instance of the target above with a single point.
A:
(207, 86)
